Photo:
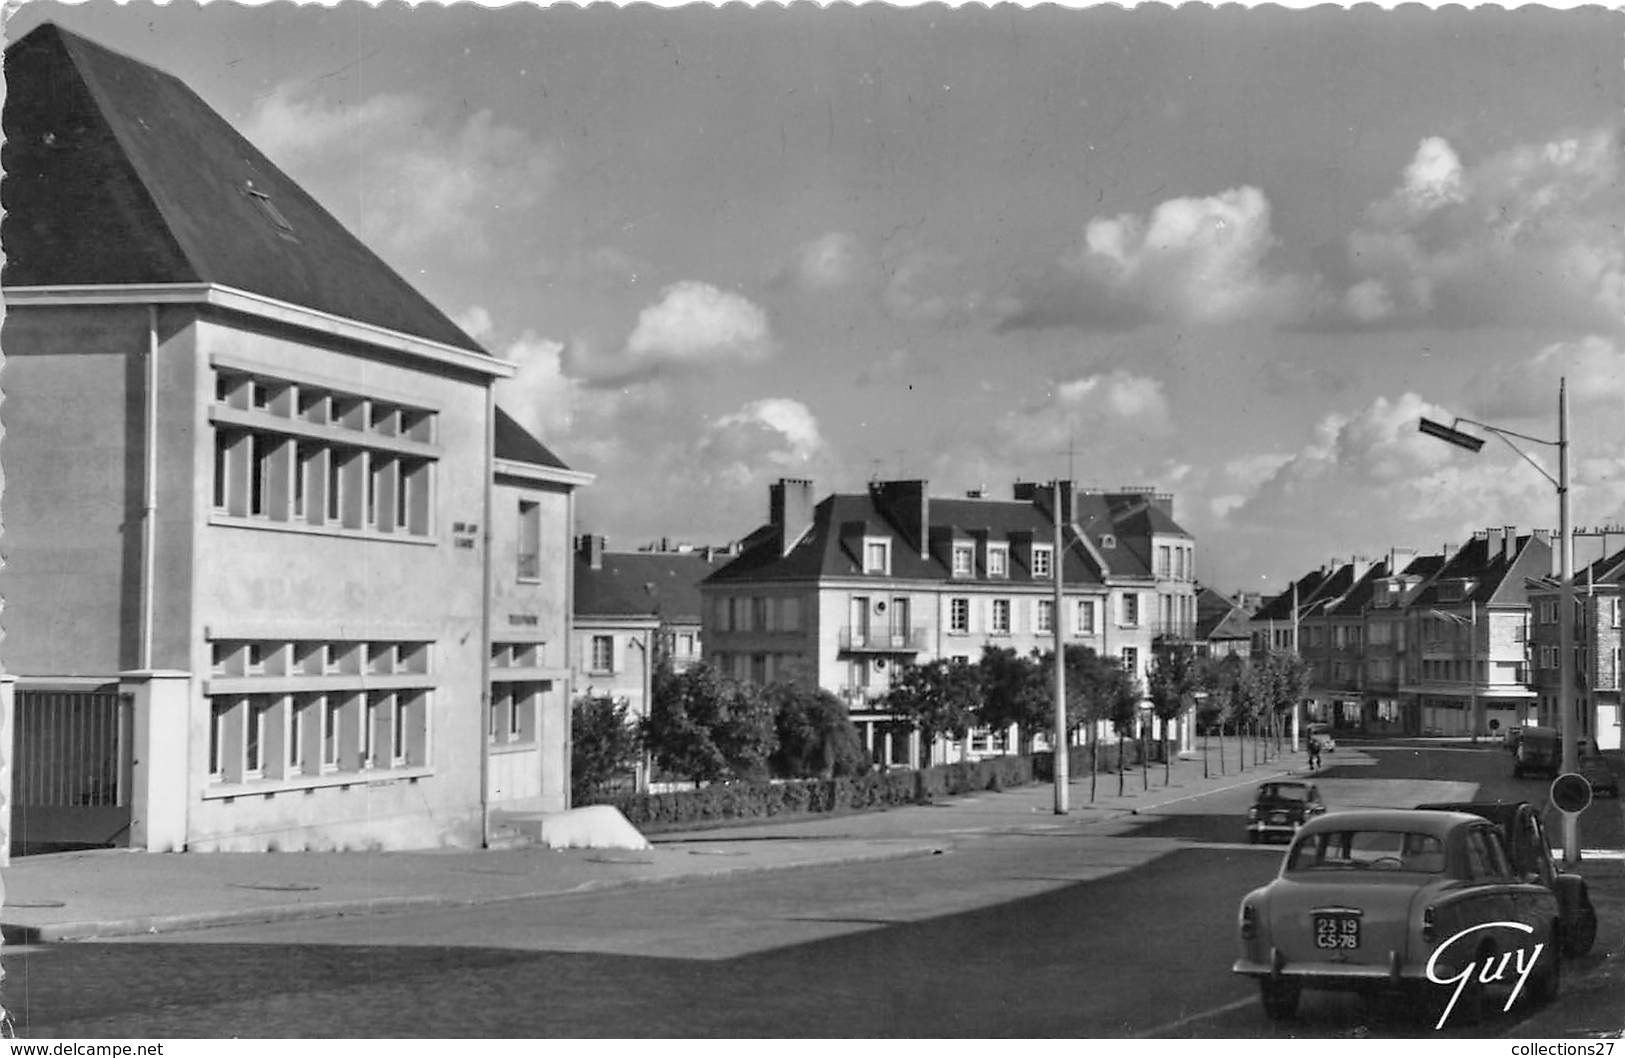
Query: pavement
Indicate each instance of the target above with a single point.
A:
(118, 893)
(114, 892)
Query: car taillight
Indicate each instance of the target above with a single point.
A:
(1252, 813)
(1430, 931)
(1249, 922)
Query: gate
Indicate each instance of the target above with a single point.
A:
(70, 770)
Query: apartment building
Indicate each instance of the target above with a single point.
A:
(1598, 638)
(1223, 625)
(256, 489)
(846, 589)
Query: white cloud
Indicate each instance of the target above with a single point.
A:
(1190, 261)
(1594, 367)
(832, 261)
(775, 433)
(1525, 236)
(539, 395)
(405, 174)
(694, 326)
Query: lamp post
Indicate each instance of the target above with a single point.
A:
(1063, 751)
(1566, 721)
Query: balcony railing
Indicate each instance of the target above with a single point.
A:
(883, 640)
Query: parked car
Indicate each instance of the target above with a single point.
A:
(1377, 901)
(1530, 847)
(1539, 751)
(1281, 807)
(1323, 733)
(1600, 774)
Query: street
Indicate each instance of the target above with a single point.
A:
(1050, 930)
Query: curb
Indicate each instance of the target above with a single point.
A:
(143, 925)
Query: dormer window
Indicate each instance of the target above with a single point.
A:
(964, 560)
(1042, 566)
(876, 555)
(998, 560)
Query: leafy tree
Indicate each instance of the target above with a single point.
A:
(1014, 690)
(604, 745)
(1173, 678)
(938, 698)
(707, 727)
(816, 736)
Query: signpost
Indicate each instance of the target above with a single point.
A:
(1571, 793)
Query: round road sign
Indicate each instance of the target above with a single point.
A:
(1571, 793)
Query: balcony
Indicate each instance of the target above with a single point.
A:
(882, 640)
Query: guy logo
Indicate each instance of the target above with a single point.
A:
(1486, 975)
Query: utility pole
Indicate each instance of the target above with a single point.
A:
(1062, 750)
(1567, 720)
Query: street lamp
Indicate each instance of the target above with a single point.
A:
(1565, 576)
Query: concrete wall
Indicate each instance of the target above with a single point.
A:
(264, 582)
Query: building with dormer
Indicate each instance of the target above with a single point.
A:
(843, 590)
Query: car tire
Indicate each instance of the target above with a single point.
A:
(1252, 837)
(1579, 932)
(1280, 999)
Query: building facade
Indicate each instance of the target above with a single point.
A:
(1598, 639)
(251, 473)
(845, 590)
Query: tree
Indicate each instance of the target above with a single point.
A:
(1097, 688)
(604, 745)
(816, 736)
(1014, 690)
(938, 698)
(1173, 678)
(707, 727)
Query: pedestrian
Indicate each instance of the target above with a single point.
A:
(1314, 753)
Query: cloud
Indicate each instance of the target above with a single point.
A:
(1594, 367)
(693, 327)
(832, 261)
(1191, 261)
(1079, 413)
(405, 174)
(761, 440)
(1526, 236)
(539, 395)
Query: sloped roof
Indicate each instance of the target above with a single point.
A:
(1280, 607)
(1218, 617)
(661, 584)
(119, 174)
(1356, 598)
(513, 441)
(1487, 567)
(821, 552)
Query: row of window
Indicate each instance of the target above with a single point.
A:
(318, 657)
(1608, 611)
(281, 461)
(758, 614)
(868, 676)
(256, 737)
(1175, 562)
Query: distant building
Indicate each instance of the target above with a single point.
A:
(1598, 638)
(1223, 626)
(251, 475)
(845, 590)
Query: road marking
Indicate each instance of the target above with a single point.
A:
(1236, 1004)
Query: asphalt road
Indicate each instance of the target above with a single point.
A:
(1043, 933)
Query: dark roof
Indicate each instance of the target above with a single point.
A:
(1358, 597)
(660, 584)
(514, 442)
(821, 552)
(1219, 617)
(1280, 607)
(117, 173)
(1487, 567)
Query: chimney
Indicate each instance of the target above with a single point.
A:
(591, 548)
(1509, 544)
(907, 506)
(790, 510)
(1041, 494)
(1399, 558)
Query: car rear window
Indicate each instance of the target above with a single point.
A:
(1360, 850)
(1284, 793)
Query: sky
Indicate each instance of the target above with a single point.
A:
(1234, 255)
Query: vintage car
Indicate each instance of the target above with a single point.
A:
(1281, 807)
(1539, 752)
(1423, 904)
(1322, 733)
(1530, 847)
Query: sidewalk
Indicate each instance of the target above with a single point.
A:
(107, 893)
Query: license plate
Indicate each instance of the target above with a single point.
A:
(1338, 930)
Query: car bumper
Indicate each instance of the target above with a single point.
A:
(1332, 975)
(1286, 829)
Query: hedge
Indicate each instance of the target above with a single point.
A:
(725, 802)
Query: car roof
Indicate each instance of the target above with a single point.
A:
(1499, 812)
(1404, 820)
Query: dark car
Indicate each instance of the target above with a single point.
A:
(1531, 852)
(1281, 807)
(1539, 752)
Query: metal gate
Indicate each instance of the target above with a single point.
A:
(70, 770)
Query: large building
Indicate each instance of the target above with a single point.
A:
(1599, 611)
(269, 543)
(844, 590)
